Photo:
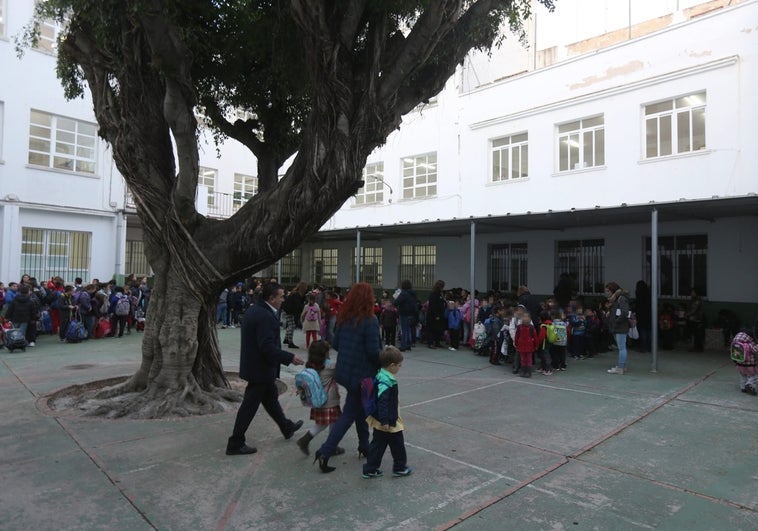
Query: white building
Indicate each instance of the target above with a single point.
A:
(621, 119)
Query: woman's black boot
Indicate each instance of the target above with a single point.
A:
(323, 463)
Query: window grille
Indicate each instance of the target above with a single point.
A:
(583, 260)
(46, 253)
(417, 264)
(508, 266)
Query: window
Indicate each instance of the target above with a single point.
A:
(48, 33)
(207, 177)
(372, 190)
(2, 114)
(581, 144)
(510, 157)
(245, 187)
(508, 266)
(420, 176)
(675, 126)
(417, 264)
(583, 261)
(371, 266)
(682, 265)
(136, 261)
(46, 253)
(61, 143)
(292, 267)
(324, 267)
(2, 18)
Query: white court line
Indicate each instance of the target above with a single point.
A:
(445, 397)
(464, 463)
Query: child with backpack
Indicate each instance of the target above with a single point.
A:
(525, 342)
(386, 421)
(560, 338)
(327, 414)
(744, 352)
(544, 340)
(311, 319)
(576, 333)
(453, 320)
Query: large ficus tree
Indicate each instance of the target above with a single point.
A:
(327, 80)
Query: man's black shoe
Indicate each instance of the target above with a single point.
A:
(292, 345)
(242, 450)
(296, 426)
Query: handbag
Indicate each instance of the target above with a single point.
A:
(633, 333)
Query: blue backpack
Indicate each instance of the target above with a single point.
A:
(369, 391)
(310, 389)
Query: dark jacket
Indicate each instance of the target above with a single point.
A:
(531, 303)
(618, 316)
(387, 400)
(358, 344)
(294, 304)
(406, 302)
(260, 351)
(21, 309)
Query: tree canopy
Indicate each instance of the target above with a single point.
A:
(326, 81)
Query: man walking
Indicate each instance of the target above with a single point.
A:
(260, 358)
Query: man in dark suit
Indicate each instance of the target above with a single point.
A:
(260, 358)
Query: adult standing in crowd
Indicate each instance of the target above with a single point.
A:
(618, 322)
(696, 321)
(261, 356)
(563, 291)
(530, 302)
(358, 340)
(21, 310)
(644, 312)
(291, 309)
(407, 309)
(435, 315)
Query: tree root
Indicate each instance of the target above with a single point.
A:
(154, 402)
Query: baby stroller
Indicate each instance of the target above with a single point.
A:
(14, 339)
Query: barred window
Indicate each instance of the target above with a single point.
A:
(61, 143)
(46, 253)
(371, 266)
(508, 265)
(417, 264)
(324, 267)
(583, 261)
(682, 265)
(136, 261)
(372, 190)
(292, 267)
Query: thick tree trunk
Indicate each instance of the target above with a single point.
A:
(181, 373)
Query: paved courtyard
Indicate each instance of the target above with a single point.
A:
(581, 449)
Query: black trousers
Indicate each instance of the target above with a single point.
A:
(255, 395)
(378, 446)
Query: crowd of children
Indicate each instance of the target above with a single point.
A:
(73, 312)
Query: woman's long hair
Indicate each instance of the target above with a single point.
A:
(358, 305)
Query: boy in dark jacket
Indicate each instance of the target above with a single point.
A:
(22, 309)
(386, 421)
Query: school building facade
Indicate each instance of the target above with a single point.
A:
(621, 129)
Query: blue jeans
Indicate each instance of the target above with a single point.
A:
(221, 313)
(621, 344)
(21, 326)
(352, 412)
(405, 332)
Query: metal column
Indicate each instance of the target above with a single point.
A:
(358, 256)
(279, 271)
(654, 288)
(471, 272)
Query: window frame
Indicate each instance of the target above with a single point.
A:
(202, 174)
(409, 170)
(57, 142)
(326, 273)
(368, 254)
(674, 113)
(240, 195)
(373, 186)
(584, 127)
(41, 264)
(579, 256)
(418, 263)
(511, 260)
(135, 259)
(514, 144)
(674, 253)
(3, 20)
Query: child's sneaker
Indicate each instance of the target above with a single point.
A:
(547, 373)
(407, 471)
(371, 475)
